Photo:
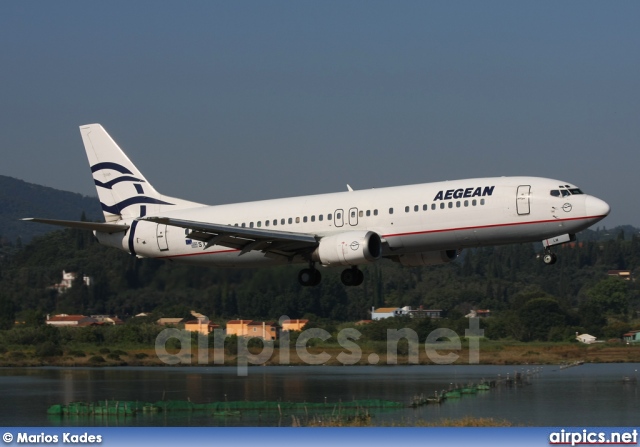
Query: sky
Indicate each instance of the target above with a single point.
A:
(220, 102)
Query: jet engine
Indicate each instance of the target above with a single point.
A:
(349, 248)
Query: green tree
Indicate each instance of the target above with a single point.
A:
(611, 295)
(7, 312)
(539, 316)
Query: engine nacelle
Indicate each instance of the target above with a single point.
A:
(349, 248)
(427, 258)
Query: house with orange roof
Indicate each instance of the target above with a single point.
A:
(249, 328)
(293, 325)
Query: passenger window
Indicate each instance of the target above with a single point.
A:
(304, 219)
(466, 203)
(425, 207)
(259, 224)
(250, 224)
(375, 212)
(281, 221)
(275, 222)
(266, 223)
(458, 204)
(481, 201)
(390, 210)
(433, 206)
(297, 220)
(473, 202)
(406, 209)
(416, 208)
(329, 216)
(242, 224)
(313, 218)
(368, 213)
(442, 206)
(290, 221)
(450, 204)
(320, 217)
(360, 213)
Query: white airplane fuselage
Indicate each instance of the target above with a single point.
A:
(412, 219)
(421, 224)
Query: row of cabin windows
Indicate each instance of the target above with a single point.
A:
(306, 219)
(361, 213)
(425, 207)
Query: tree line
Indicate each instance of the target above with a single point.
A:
(528, 300)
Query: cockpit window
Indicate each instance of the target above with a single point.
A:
(565, 192)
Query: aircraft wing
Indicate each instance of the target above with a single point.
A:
(242, 238)
(82, 225)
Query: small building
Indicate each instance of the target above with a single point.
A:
(250, 328)
(67, 281)
(293, 325)
(622, 274)
(407, 311)
(200, 324)
(70, 320)
(585, 338)
(631, 337)
(107, 319)
(385, 312)
(169, 321)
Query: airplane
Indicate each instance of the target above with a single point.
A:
(415, 225)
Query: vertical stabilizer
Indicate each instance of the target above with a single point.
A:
(122, 189)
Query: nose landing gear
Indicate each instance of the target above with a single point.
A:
(549, 258)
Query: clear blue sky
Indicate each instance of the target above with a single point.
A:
(231, 101)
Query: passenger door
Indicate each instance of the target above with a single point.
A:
(522, 200)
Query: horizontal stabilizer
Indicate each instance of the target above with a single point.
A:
(93, 226)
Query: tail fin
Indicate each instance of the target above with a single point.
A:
(122, 189)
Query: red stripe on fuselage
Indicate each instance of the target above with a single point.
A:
(490, 226)
(444, 230)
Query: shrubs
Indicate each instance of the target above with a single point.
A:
(96, 359)
(48, 349)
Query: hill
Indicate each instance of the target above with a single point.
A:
(19, 199)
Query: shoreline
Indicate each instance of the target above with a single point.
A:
(490, 353)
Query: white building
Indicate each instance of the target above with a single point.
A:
(586, 338)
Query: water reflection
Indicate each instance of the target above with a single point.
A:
(586, 395)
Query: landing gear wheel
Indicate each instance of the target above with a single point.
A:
(352, 277)
(309, 277)
(549, 258)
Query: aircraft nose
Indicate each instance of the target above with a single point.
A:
(596, 207)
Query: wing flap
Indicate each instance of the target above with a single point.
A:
(242, 238)
(93, 226)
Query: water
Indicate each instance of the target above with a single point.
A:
(586, 395)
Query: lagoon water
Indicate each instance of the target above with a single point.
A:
(585, 395)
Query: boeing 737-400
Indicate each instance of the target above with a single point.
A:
(414, 225)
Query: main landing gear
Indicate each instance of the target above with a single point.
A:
(311, 276)
(352, 276)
